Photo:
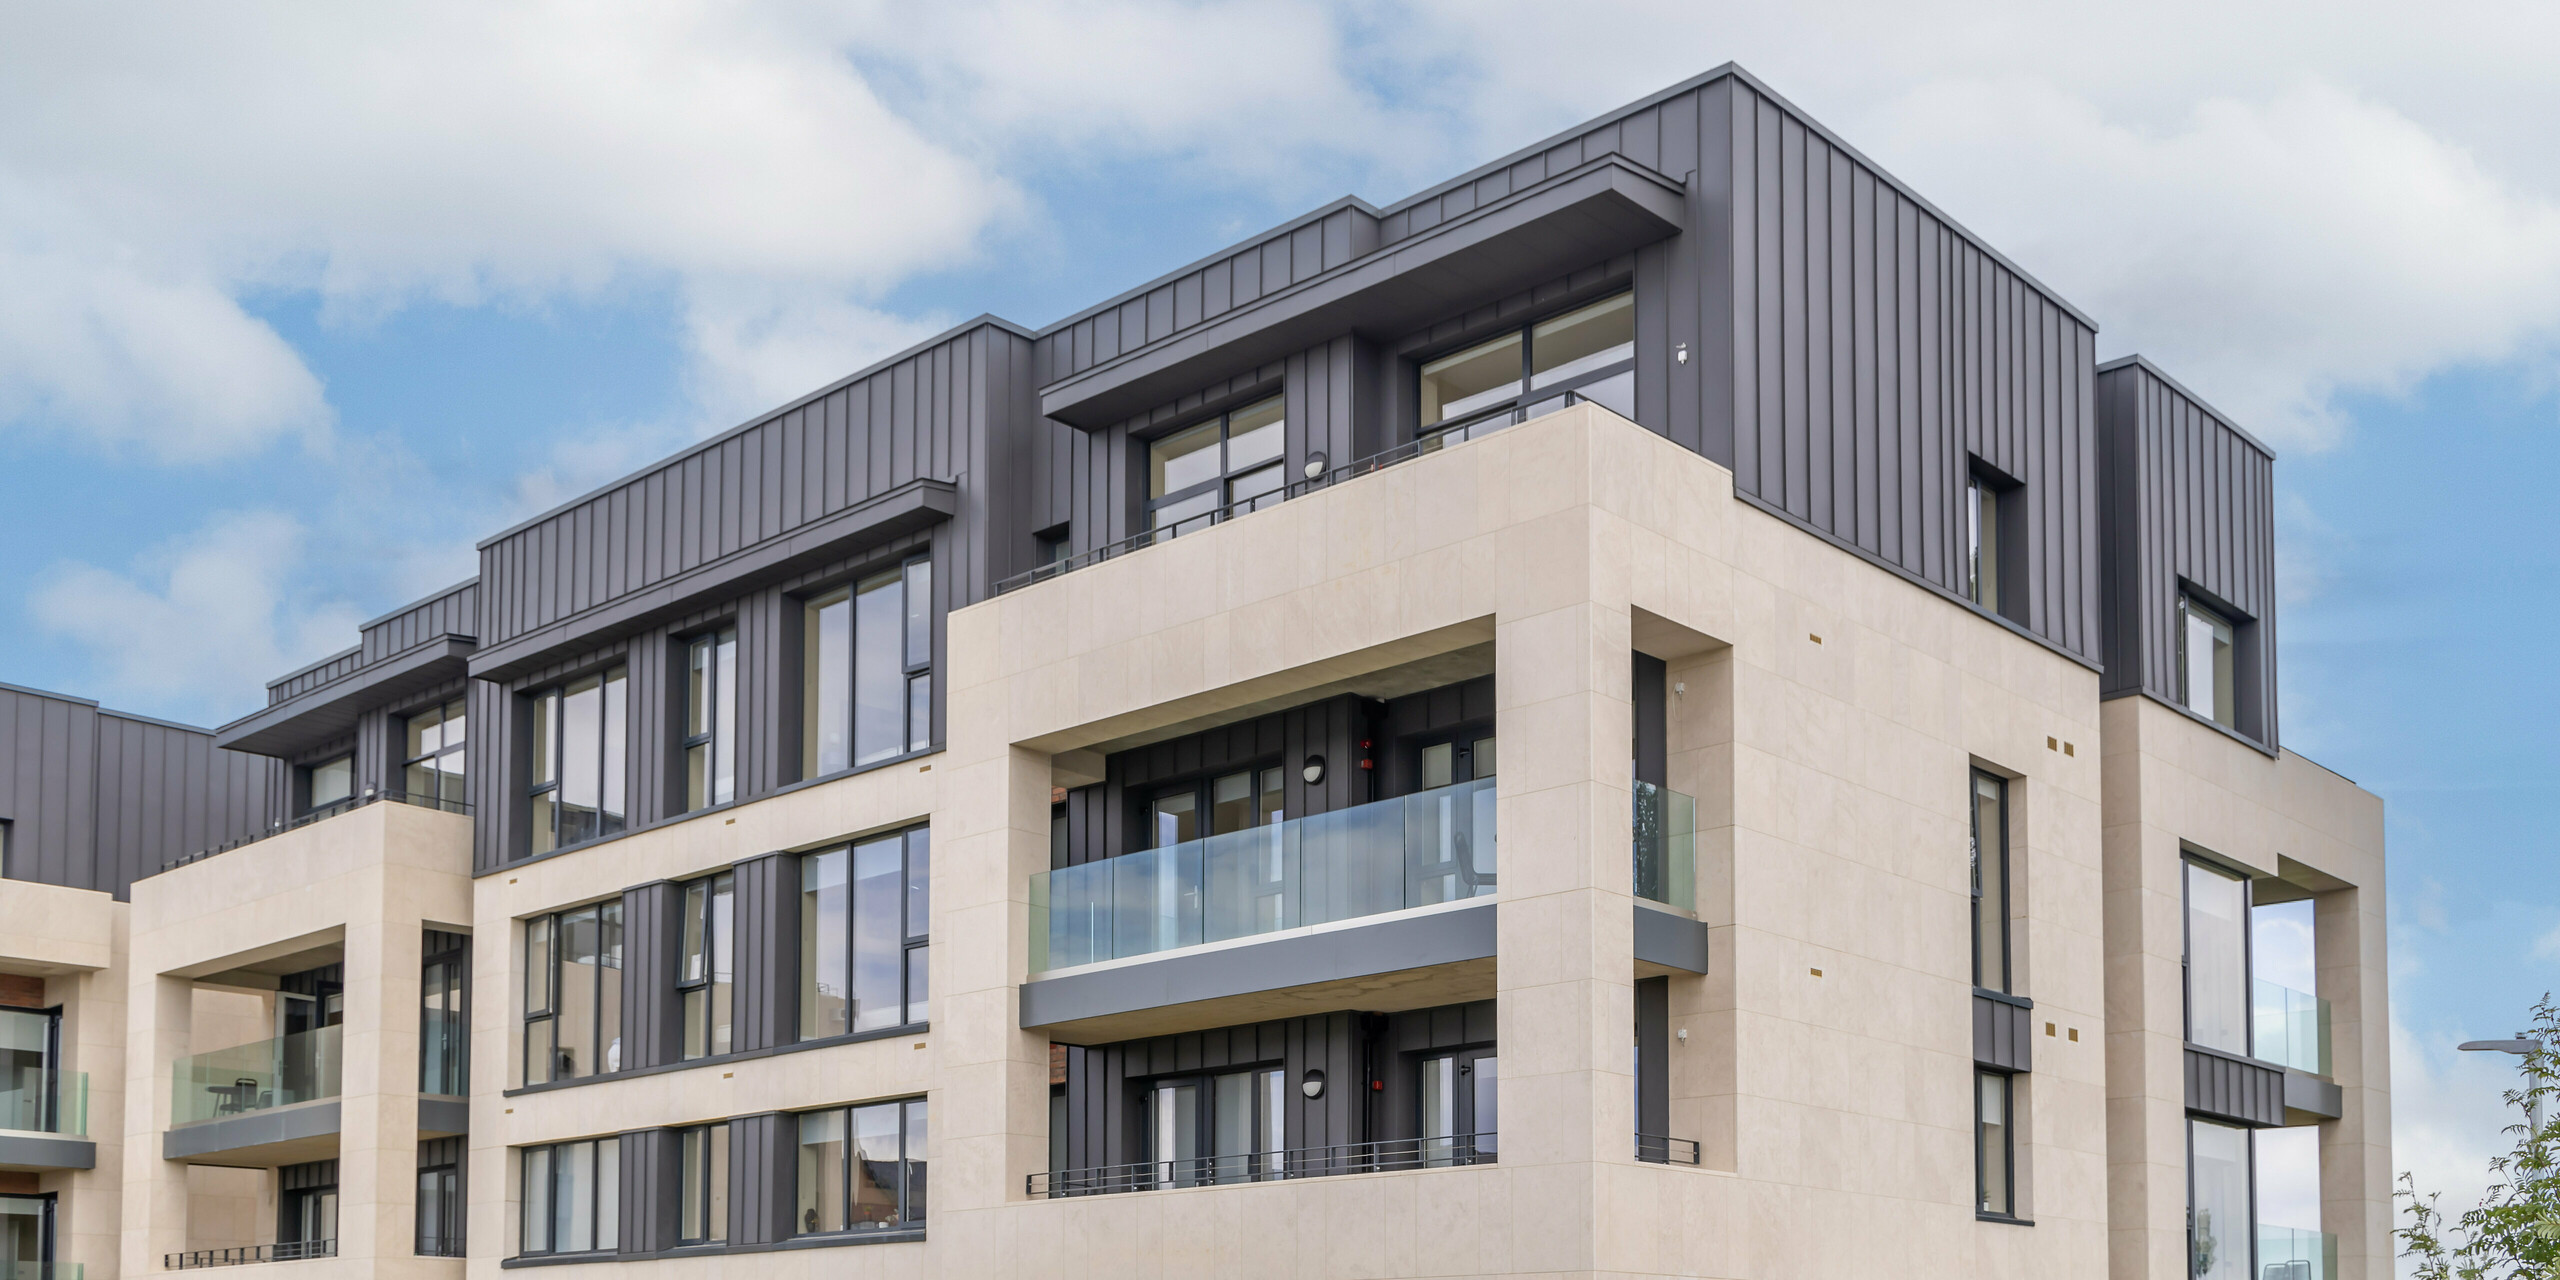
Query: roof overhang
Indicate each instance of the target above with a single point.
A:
(316, 715)
(1589, 213)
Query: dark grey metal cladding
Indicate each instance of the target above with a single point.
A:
(1101, 816)
(2003, 1032)
(2224, 1086)
(443, 1117)
(44, 1151)
(2308, 1095)
(1359, 950)
(652, 941)
(1669, 939)
(763, 1150)
(2190, 500)
(652, 1183)
(95, 799)
(256, 1129)
(767, 906)
(328, 710)
(454, 611)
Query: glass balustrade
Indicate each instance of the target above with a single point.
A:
(2287, 1253)
(254, 1077)
(1666, 847)
(1413, 851)
(41, 1101)
(2292, 1028)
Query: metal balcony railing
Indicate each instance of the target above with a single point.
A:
(255, 1077)
(1654, 1148)
(1385, 1156)
(242, 1255)
(323, 814)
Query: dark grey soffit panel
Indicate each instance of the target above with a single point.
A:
(2228, 1087)
(1389, 946)
(905, 509)
(2306, 1092)
(35, 1151)
(1591, 212)
(2003, 1033)
(443, 1117)
(1672, 941)
(310, 718)
(257, 1129)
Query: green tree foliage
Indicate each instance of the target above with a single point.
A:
(2514, 1234)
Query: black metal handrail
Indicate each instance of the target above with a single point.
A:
(323, 814)
(440, 1246)
(241, 1255)
(1654, 1148)
(1267, 1166)
(1410, 449)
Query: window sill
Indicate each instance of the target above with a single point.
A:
(692, 815)
(2004, 997)
(2003, 1219)
(833, 1240)
(745, 1055)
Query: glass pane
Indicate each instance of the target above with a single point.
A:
(917, 1152)
(919, 612)
(1488, 1100)
(455, 721)
(1990, 885)
(697, 687)
(697, 1023)
(1262, 483)
(1582, 341)
(424, 735)
(609, 986)
(2218, 1228)
(26, 1041)
(1271, 809)
(1478, 377)
(1991, 1141)
(1231, 1126)
(717, 1219)
(694, 964)
(419, 780)
(2226, 702)
(1274, 1136)
(919, 882)
(578, 939)
(875, 1168)
(540, 1049)
(333, 781)
(544, 819)
(827, 687)
(1183, 459)
(1176, 818)
(724, 724)
(537, 964)
(616, 741)
(581, 759)
(1439, 764)
(919, 712)
(546, 745)
(1231, 803)
(695, 1161)
(2217, 959)
(1480, 759)
(919, 981)
(452, 766)
(1190, 511)
(1439, 1118)
(537, 1200)
(1255, 434)
(608, 1193)
(724, 949)
(697, 776)
(821, 1171)
(573, 1206)
(879, 934)
(879, 670)
(826, 927)
(1176, 1120)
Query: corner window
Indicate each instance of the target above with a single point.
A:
(711, 720)
(1588, 353)
(1230, 464)
(702, 1216)
(2205, 664)
(332, 783)
(862, 1168)
(703, 969)
(2217, 958)
(573, 1197)
(573, 994)
(1990, 882)
(431, 769)
(868, 684)
(864, 914)
(1994, 1145)
(579, 735)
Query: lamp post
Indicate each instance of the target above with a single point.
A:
(2520, 1046)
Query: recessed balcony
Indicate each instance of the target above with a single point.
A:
(266, 1102)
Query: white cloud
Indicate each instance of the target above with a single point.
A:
(198, 613)
(2448, 1110)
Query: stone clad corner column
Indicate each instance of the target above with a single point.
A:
(2355, 1150)
(158, 1028)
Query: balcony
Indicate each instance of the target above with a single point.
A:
(1208, 1170)
(44, 1124)
(2287, 1253)
(1666, 847)
(247, 1254)
(257, 1076)
(2292, 1028)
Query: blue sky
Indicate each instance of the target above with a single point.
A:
(291, 322)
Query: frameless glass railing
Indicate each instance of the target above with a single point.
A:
(1413, 851)
(41, 1101)
(255, 1077)
(2292, 1028)
(1666, 847)
(2287, 1253)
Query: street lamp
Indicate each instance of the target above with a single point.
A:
(2520, 1046)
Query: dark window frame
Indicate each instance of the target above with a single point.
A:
(914, 1122)
(914, 573)
(1228, 505)
(553, 927)
(698, 1141)
(699, 901)
(1989, 490)
(603, 1203)
(447, 712)
(2008, 931)
(915, 948)
(2008, 1148)
(715, 653)
(307, 775)
(456, 1044)
(2187, 947)
(545, 716)
(51, 1100)
(441, 1184)
(1208, 1169)
(1515, 408)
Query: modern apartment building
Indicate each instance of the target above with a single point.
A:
(1649, 709)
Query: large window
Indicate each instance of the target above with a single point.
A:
(2217, 958)
(29, 1041)
(702, 1211)
(864, 914)
(573, 994)
(2220, 1236)
(330, 783)
(711, 720)
(1230, 461)
(1994, 1145)
(1459, 1105)
(1982, 542)
(869, 682)
(2205, 664)
(862, 1168)
(572, 1197)
(579, 734)
(1990, 882)
(431, 770)
(703, 970)
(1227, 1127)
(1589, 352)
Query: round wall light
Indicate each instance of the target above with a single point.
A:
(1313, 770)
(1313, 1085)
(1315, 464)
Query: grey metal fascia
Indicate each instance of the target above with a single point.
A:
(2315, 1095)
(1670, 939)
(45, 1151)
(256, 1129)
(1629, 204)
(1386, 946)
(315, 715)
(443, 1116)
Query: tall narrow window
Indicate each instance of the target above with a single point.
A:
(865, 912)
(2217, 958)
(711, 720)
(1982, 542)
(1994, 1145)
(702, 1217)
(867, 688)
(1990, 882)
(578, 744)
(1230, 463)
(441, 1016)
(573, 994)
(2206, 669)
(2221, 1235)
(30, 1045)
(572, 1197)
(862, 1168)
(432, 771)
(1588, 353)
(440, 1214)
(703, 971)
